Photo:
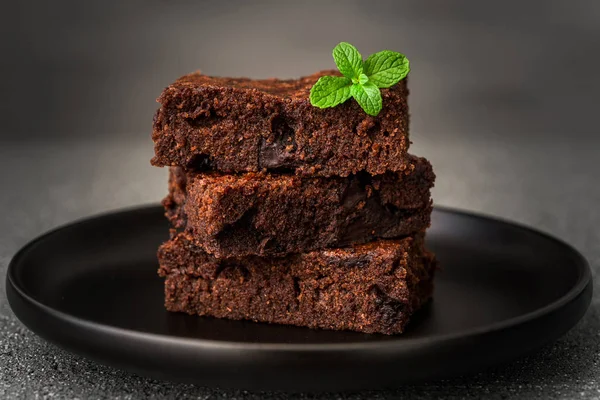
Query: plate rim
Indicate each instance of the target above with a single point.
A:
(584, 281)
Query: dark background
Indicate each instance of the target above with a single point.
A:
(74, 69)
(504, 99)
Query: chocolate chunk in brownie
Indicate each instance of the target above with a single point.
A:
(244, 125)
(273, 215)
(371, 288)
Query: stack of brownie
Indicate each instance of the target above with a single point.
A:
(285, 213)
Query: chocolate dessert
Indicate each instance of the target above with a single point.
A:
(296, 201)
(274, 215)
(243, 125)
(369, 288)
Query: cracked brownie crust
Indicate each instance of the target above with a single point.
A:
(371, 288)
(243, 125)
(273, 215)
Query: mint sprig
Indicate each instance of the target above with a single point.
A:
(361, 80)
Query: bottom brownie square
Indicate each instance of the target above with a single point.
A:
(371, 288)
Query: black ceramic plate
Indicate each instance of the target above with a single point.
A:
(91, 287)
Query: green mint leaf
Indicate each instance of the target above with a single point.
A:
(368, 97)
(329, 91)
(362, 79)
(386, 68)
(348, 60)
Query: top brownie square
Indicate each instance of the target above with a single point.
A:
(243, 125)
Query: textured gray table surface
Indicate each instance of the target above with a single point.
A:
(548, 185)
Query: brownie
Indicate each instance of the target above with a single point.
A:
(273, 215)
(244, 125)
(371, 288)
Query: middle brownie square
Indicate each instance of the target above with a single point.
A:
(274, 215)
